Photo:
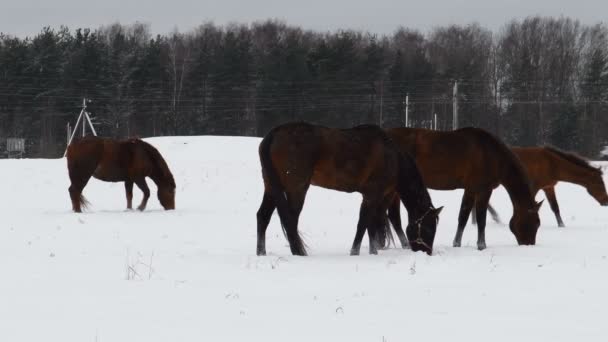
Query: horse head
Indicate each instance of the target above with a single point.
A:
(524, 224)
(166, 196)
(597, 188)
(421, 232)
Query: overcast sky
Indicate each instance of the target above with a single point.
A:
(27, 17)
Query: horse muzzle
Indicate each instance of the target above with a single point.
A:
(526, 242)
(419, 245)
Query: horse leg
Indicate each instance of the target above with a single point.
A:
(394, 217)
(376, 221)
(296, 198)
(79, 177)
(550, 194)
(492, 211)
(263, 216)
(296, 201)
(474, 216)
(481, 205)
(468, 199)
(75, 190)
(129, 192)
(361, 225)
(143, 186)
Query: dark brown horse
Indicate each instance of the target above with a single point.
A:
(361, 159)
(547, 165)
(129, 161)
(476, 161)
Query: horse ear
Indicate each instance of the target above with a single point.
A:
(438, 210)
(536, 207)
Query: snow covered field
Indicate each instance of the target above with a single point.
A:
(192, 274)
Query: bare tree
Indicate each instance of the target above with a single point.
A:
(179, 48)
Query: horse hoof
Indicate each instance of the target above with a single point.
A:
(481, 246)
(456, 244)
(561, 225)
(261, 253)
(354, 252)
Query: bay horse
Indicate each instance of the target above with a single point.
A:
(109, 160)
(476, 161)
(547, 166)
(361, 159)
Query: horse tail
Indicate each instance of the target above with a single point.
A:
(84, 203)
(492, 212)
(385, 235)
(286, 216)
(159, 162)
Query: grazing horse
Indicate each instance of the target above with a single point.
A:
(547, 165)
(476, 161)
(129, 161)
(361, 159)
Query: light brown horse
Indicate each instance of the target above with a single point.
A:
(129, 161)
(547, 166)
(476, 161)
(361, 159)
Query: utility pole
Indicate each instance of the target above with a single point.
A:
(69, 129)
(455, 106)
(84, 116)
(432, 112)
(407, 105)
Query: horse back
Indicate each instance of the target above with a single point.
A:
(338, 159)
(465, 158)
(356, 159)
(105, 159)
(85, 151)
(547, 165)
(440, 157)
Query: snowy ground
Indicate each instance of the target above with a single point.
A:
(192, 274)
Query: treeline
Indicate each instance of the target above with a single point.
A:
(537, 81)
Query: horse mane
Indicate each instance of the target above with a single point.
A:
(159, 162)
(573, 158)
